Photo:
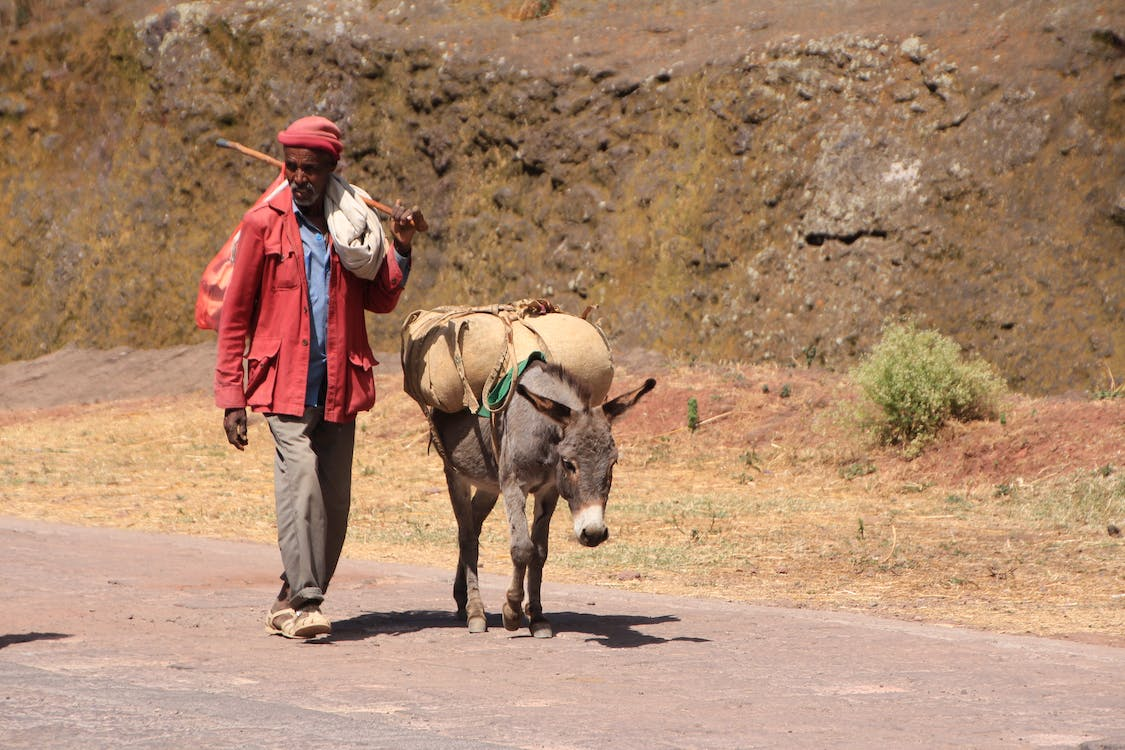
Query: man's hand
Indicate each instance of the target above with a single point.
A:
(234, 424)
(404, 223)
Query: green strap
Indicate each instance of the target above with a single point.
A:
(499, 392)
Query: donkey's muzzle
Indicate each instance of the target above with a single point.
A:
(592, 536)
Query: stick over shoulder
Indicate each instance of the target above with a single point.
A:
(417, 218)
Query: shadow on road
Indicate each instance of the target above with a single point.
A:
(372, 624)
(616, 631)
(611, 631)
(8, 640)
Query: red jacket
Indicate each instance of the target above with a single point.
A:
(267, 303)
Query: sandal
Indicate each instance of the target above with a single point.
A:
(276, 620)
(308, 622)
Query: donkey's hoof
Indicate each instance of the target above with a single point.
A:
(478, 624)
(513, 618)
(541, 628)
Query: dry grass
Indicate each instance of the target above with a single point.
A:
(796, 520)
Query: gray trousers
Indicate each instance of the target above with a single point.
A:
(313, 493)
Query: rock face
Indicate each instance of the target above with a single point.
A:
(726, 180)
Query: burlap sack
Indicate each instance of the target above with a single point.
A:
(453, 356)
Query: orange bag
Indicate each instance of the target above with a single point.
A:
(216, 276)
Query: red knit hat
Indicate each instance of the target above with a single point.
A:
(318, 133)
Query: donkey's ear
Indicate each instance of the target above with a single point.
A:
(547, 407)
(618, 406)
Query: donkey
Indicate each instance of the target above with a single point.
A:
(548, 442)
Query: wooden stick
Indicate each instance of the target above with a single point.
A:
(224, 143)
(417, 219)
(700, 424)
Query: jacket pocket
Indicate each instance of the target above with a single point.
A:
(261, 371)
(361, 382)
(287, 271)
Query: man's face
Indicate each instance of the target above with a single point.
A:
(307, 172)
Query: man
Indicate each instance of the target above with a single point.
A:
(310, 260)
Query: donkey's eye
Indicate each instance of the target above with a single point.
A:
(569, 465)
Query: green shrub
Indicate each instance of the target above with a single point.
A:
(917, 380)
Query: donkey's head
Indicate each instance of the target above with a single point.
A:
(586, 455)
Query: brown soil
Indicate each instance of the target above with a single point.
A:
(1038, 438)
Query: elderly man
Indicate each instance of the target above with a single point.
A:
(310, 260)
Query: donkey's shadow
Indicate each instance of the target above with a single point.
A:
(616, 631)
(611, 631)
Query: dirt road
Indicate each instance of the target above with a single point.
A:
(132, 640)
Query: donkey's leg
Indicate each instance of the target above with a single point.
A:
(482, 505)
(515, 505)
(459, 496)
(545, 503)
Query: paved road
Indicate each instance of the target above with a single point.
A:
(121, 639)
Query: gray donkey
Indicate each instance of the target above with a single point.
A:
(549, 441)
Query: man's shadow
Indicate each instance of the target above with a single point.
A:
(611, 631)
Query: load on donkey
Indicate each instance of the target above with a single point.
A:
(514, 398)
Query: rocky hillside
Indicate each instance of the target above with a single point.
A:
(748, 180)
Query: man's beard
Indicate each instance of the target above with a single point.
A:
(305, 196)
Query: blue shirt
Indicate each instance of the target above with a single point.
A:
(317, 272)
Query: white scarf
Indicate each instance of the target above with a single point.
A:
(356, 231)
